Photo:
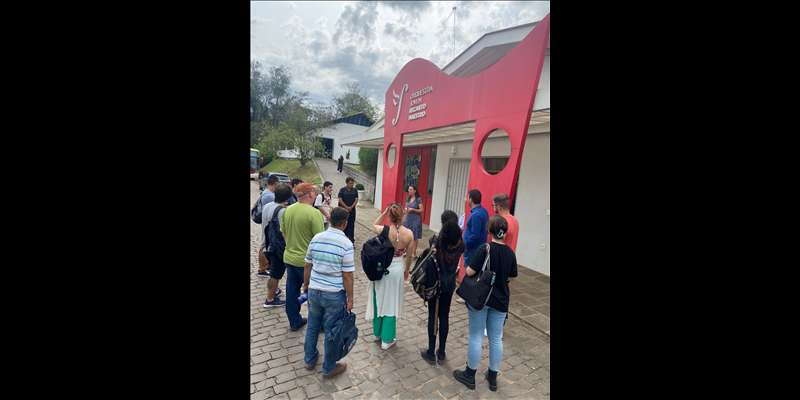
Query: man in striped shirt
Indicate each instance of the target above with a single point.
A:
(328, 280)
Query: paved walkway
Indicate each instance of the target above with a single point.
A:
(276, 354)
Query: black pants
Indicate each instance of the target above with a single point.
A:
(349, 230)
(444, 324)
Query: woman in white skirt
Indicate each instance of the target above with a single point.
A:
(385, 296)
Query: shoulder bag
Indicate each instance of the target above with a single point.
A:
(476, 289)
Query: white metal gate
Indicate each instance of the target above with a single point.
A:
(457, 184)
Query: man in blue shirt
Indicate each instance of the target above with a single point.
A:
(475, 232)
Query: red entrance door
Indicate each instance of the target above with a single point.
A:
(416, 171)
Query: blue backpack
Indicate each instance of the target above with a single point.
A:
(255, 212)
(276, 245)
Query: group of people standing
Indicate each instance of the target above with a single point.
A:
(315, 251)
(385, 296)
(319, 260)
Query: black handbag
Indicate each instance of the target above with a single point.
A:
(345, 335)
(476, 289)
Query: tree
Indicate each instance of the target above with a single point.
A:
(279, 116)
(299, 131)
(369, 160)
(355, 100)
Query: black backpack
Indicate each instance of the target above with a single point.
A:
(255, 212)
(425, 276)
(377, 250)
(275, 243)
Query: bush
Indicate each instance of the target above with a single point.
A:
(368, 158)
(359, 186)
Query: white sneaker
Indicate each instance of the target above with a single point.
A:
(486, 334)
(375, 338)
(385, 345)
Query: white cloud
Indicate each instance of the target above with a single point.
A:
(328, 44)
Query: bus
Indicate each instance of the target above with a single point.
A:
(255, 163)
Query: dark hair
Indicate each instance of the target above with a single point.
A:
(475, 195)
(326, 184)
(339, 216)
(296, 181)
(501, 199)
(272, 179)
(416, 193)
(447, 214)
(497, 224)
(349, 179)
(282, 193)
(450, 234)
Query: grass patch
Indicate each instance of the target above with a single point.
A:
(292, 168)
(356, 166)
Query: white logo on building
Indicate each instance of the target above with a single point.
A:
(398, 104)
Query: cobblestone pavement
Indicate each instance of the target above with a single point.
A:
(328, 172)
(276, 354)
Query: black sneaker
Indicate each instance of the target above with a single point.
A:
(264, 274)
(305, 320)
(430, 358)
(276, 302)
(440, 357)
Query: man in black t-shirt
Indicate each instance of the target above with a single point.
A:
(348, 198)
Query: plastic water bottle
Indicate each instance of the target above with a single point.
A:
(303, 297)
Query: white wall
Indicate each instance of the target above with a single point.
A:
(379, 182)
(533, 194)
(339, 131)
(544, 78)
(493, 147)
(533, 201)
(335, 132)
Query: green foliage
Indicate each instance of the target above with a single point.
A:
(282, 119)
(359, 186)
(293, 169)
(355, 100)
(369, 160)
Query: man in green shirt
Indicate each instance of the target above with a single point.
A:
(301, 221)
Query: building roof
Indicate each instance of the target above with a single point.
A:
(355, 119)
(489, 49)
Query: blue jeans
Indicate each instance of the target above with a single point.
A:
(294, 283)
(468, 257)
(324, 309)
(492, 320)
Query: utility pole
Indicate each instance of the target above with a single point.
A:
(454, 33)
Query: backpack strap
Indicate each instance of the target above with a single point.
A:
(275, 214)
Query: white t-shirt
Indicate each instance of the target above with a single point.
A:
(325, 202)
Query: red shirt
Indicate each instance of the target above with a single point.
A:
(513, 232)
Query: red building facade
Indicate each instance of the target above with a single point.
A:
(422, 97)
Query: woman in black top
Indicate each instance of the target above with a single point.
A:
(449, 247)
(503, 262)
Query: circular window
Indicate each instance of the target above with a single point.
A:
(495, 152)
(391, 155)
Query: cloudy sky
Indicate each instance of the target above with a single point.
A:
(327, 44)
